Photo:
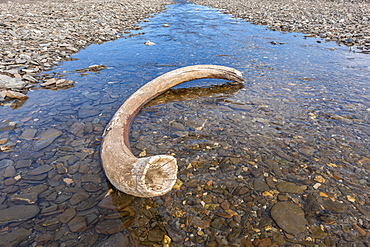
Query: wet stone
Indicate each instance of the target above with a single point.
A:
(198, 222)
(78, 197)
(77, 224)
(14, 237)
(288, 187)
(117, 240)
(46, 138)
(40, 170)
(67, 215)
(28, 198)
(156, 235)
(5, 163)
(28, 134)
(117, 202)
(289, 217)
(109, 227)
(18, 213)
(10, 181)
(260, 185)
(9, 171)
(335, 207)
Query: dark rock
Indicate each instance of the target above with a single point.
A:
(110, 226)
(14, 237)
(18, 213)
(77, 224)
(116, 240)
(176, 236)
(116, 202)
(335, 207)
(5, 163)
(156, 235)
(260, 185)
(289, 217)
(9, 171)
(39, 170)
(67, 215)
(78, 197)
(28, 198)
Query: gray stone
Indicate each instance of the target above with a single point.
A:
(5, 163)
(289, 217)
(260, 185)
(9, 171)
(8, 82)
(46, 138)
(18, 213)
(28, 134)
(40, 170)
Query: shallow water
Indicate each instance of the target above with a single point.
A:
(302, 117)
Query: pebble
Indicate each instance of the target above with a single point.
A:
(46, 138)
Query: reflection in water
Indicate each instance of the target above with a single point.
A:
(294, 139)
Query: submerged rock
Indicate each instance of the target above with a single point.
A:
(289, 217)
(18, 213)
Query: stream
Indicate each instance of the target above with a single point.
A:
(282, 160)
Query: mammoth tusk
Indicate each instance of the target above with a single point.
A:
(155, 175)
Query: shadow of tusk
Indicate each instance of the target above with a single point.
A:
(155, 175)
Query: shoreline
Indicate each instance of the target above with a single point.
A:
(37, 35)
(345, 22)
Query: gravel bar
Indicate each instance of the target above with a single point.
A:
(37, 35)
(346, 22)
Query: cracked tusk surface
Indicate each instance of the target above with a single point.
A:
(154, 175)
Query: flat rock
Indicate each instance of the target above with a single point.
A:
(67, 215)
(335, 207)
(9, 171)
(289, 217)
(78, 197)
(11, 82)
(116, 240)
(13, 238)
(40, 170)
(5, 163)
(110, 226)
(77, 224)
(28, 198)
(16, 95)
(287, 187)
(116, 202)
(46, 138)
(18, 213)
(28, 134)
(260, 185)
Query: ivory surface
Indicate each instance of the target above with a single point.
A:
(155, 175)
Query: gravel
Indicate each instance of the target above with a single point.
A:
(37, 35)
(343, 21)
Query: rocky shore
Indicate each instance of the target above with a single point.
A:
(342, 21)
(37, 35)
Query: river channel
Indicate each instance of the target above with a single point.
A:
(283, 160)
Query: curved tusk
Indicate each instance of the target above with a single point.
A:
(155, 175)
